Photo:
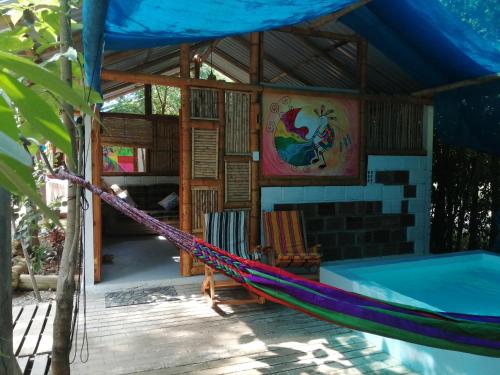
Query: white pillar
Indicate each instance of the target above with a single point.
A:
(428, 133)
(88, 251)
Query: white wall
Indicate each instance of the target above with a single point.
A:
(420, 168)
(88, 250)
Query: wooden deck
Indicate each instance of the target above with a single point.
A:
(188, 337)
(32, 336)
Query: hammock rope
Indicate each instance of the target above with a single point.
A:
(475, 334)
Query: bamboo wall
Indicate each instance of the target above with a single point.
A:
(219, 177)
(394, 128)
(159, 134)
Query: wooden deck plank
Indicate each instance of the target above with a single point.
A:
(45, 344)
(32, 337)
(188, 337)
(23, 363)
(40, 365)
(22, 325)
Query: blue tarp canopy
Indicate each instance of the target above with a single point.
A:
(427, 39)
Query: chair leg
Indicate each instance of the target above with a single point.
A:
(212, 288)
(206, 280)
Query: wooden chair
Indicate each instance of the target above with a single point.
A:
(285, 244)
(228, 230)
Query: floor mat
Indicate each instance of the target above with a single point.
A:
(139, 296)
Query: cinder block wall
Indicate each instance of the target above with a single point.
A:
(390, 215)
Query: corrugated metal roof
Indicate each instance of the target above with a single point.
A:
(289, 60)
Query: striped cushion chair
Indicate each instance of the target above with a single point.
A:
(227, 230)
(284, 237)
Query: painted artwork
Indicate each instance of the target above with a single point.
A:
(118, 159)
(310, 136)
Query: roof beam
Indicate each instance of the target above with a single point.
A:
(333, 17)
(465, 83)
(155, 79)
(299, 31)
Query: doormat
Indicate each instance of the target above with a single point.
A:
(139, 296)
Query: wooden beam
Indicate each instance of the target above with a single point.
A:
(135, 77)
(333, 17)
(255, 70)
(185, 160)
(317, 33)
(456, 85)
(148, 100)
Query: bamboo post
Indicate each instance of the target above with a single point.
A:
(148, 102)
(255, 69)
(185, 168)
(255, 72)
(254, 184)
(222, 165)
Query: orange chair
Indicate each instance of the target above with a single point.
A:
(285, 242)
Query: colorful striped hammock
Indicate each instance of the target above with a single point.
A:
(474, 334)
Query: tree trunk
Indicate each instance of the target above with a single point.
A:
(8, 364)
(66, 280)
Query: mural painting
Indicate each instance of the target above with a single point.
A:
(310, 136)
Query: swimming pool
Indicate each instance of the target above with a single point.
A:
(467, 282)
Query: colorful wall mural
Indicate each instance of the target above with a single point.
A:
(310, 136)
(118, 159)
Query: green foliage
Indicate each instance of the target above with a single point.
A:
(31, 91)
(166, 100)
(465, 184)
(32, 226)
(481, 15)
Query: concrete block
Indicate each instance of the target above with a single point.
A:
(392, 192)
(314, 193)
(423, 191)
(354, 193)
(372, 192)
(293, 194)
(335, 193)
(270, 196)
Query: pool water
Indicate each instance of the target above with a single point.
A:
(469, 284)
(466, 282)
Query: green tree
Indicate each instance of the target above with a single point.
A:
(31, 98)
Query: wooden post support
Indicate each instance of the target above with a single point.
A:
(255, 70)
(185, 167)
(254, 185)
(255, 77)
(197, 65)
(148, 100)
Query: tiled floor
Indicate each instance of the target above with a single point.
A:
(139, 259)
